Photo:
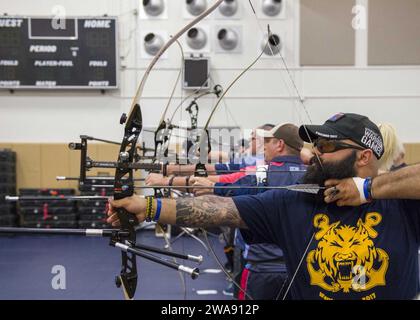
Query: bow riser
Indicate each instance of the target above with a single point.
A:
(123, 188)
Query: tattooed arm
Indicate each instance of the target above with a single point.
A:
(207, 212)
(203, 212)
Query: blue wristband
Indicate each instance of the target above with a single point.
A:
(158, 209)
(366, 188)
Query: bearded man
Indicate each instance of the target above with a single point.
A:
(358, 239)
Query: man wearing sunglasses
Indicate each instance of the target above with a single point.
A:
(358, 240)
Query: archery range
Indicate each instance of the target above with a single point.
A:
(96, 95)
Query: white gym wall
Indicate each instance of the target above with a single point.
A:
(264, 94)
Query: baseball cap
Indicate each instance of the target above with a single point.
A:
(354, 127)
(288, 132)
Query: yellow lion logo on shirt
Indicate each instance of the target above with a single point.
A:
(346, 256)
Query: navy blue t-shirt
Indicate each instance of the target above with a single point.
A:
(367, 252)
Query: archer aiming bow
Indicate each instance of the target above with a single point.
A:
(125, 237)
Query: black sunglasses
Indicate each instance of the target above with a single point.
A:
(328, 146)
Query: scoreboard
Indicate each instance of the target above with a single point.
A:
(71, 53)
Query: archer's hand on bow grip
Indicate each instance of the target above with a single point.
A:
(133, 204)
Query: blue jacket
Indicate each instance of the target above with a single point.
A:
(282, 171)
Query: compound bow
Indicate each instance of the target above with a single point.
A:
(125, 237)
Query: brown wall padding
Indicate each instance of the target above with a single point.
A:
(327, 37)
(394, 32)
(39, 164)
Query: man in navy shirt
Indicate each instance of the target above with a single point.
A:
(359, 240)
(264, 276)
(283, 165)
